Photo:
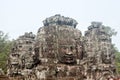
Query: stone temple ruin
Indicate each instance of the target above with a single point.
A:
(60, 52)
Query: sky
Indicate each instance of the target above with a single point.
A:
(20, 16)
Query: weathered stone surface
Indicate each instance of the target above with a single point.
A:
(98, 48)
(60, 52)
(60, 20)
(3, 77)
(1, 72)
(22, 55)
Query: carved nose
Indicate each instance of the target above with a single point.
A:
(108, 57)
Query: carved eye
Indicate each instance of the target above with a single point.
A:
(109, 55)
(105, 55)
(71, 48)
(20, 46)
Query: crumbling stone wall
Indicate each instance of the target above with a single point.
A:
(60, 52)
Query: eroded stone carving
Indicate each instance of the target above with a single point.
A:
(98, 48)
(22, 58)
(60, 20)
(59, 51)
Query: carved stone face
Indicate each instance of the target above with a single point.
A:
(27, 61)
(67, 54)
(106, 57)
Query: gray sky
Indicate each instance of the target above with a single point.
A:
(19, 16)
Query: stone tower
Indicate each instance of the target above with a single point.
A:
(98, 48)
(60, 52)
(60, 48)
(21, 56)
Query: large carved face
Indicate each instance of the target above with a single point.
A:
(106, 57)
(67, 54)
(60, 42)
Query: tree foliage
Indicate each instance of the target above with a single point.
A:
(4, 49)
(118, 61)
(111, 32)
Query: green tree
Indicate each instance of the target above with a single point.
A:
(110, 31)
(4, 49)
(118, 61)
